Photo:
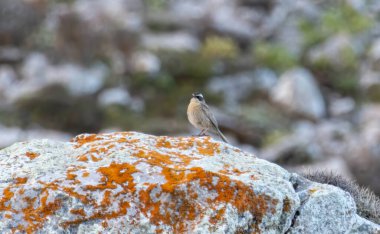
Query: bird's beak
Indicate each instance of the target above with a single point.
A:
(193, 94)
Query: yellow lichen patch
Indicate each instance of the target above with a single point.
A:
(312, 190)
(32, 155)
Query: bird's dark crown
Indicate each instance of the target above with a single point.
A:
(198, 96)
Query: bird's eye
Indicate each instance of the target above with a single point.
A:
(199, 97)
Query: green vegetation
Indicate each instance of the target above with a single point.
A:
(274, 137)
(274, 56)
(340, 76)
(216, 47)
(339, 19)
(344, 18)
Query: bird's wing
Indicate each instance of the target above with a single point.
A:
(206, 110)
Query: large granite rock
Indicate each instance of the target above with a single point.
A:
(133, 183)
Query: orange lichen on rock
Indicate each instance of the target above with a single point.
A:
(37, 210)
(287, 205)
(157, 178)
(7, 196)
(228, 192)
(31, 155)
(21, 180)
(208, 148)
(117, 174)
(79, 212)
(85, 138)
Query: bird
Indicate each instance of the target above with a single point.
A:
(201, 117)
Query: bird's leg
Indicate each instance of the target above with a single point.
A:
(202, 132)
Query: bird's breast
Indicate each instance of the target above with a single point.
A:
(194, 114)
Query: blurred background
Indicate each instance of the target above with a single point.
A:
(296, 82)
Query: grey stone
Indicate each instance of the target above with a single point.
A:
(178, 41)
(332, 50)
(298, 93)
(146, 62)
(37, 73)
(327, 205)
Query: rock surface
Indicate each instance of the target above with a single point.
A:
(298, 93)
(132, 182)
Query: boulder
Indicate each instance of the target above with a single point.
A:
(38, 73)
(298, 93)
(131, 182)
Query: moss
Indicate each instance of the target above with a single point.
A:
(216, 47)
(274, 56)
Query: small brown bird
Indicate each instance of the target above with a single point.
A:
(201, 117)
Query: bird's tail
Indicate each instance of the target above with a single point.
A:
(221, 135)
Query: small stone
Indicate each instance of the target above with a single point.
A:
(178, 41)
(7, 77)
(114, 96)
(145, 62)
(341, 106)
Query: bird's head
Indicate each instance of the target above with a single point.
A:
(198, 97)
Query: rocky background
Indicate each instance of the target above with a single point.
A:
(296, 82)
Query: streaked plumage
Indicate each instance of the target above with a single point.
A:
(201, 117)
